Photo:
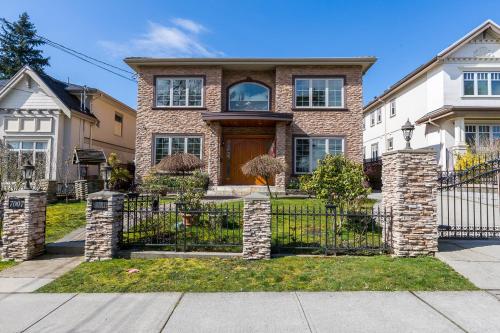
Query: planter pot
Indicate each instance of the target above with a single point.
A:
(189, 219)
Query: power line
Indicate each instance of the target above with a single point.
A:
(87, 58)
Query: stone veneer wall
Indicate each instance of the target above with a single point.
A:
(103, 226)
(346, 123)
(23, 234)
(409, 179)
(257, 227)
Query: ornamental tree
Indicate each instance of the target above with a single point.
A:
(264, 166)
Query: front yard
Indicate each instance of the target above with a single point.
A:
(62, 218)
(345, 273)
(6, 264)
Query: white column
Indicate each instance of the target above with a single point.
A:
(459, 132)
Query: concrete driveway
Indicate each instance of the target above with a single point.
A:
(477, 260)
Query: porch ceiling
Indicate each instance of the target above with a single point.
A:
(247, 118)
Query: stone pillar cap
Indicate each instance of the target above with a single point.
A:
(104, 194)
(24, 192)
(256, 196)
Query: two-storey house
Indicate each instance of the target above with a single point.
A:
(228, 111)
(454, 99)
(44, 120)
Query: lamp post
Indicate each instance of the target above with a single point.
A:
(408, 129)
(106, 176)
(27, 172)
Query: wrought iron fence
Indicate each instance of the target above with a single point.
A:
(160, 222)
(65, 190)
(329, 229)
(469, 199)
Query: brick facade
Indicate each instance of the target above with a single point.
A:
(345, 123)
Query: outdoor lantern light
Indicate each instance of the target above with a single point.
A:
(27, 172)
(408, 129)
(106, 175)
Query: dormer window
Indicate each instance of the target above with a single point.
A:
(249, 96)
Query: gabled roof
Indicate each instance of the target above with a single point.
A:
(379, 100)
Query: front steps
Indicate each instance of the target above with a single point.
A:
(240, 190)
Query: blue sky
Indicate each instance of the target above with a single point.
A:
(401, 34)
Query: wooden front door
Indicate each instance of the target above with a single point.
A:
(238, 151)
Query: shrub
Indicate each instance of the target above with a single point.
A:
(293, 184)
(339, 181)
(467, 160)
(120, 176)
(158, 184)
(264, 166)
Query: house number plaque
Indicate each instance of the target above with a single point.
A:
(99, 204)
(16, 203)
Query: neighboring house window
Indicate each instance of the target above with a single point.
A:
(481, 135)
(248, 96)
(482, 84)
(375, 151)
(319, 93)
(392, 107)
(372, 119)
(379, 116)
(169, 145)
(390, 144)
(118, 128)
(179, 92)
(33, 151)
(308, 151)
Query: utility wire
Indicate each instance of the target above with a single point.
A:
(87, 58)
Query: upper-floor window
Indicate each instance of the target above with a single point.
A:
(179, 92)
(392, 107)
(374, 151)
(379, 116)
(319, 93)
(248, 96)
(390, 144)
(482, 84)
(372, 119)
(118, 127)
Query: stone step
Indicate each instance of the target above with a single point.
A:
(76, 247)
(238, 190)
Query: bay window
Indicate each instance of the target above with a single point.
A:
(179, 92)
(481, 84)
(21, 152)
(308, 151)
(165, 145)
(481, 135)
(319, 93)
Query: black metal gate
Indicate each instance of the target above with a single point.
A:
(469, 198)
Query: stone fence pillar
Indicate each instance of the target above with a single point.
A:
(23, 234)
(81, 189)
(409, 179)
(257, 227)
(104, 225)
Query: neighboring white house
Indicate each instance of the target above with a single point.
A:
(44, 120)
(454, 100)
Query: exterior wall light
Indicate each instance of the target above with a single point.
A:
(27, 172)
(408, 129)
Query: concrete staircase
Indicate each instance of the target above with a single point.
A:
(238, 190)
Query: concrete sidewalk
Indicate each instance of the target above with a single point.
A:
(252, 312)
(477, 260)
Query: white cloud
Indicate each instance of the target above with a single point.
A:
(180, 40)
(189, 25)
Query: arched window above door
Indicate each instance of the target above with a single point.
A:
(249, 96)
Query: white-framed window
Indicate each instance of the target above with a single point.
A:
(118, 125)
(481, 135)
(248, 96)
(374, 151)
(392, 108)
(379, 116)
(319, 93)
(390, 144)
(481, 84)
(22, 151)
(171, 144)
(179, 92)
(372, 118)
(308, 151)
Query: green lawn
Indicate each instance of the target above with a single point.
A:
(280, 274)
(62, 218)
(6, 264)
